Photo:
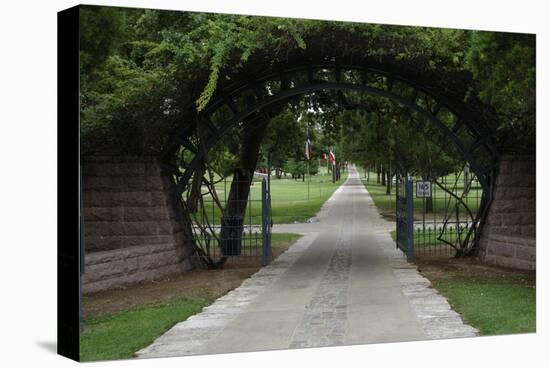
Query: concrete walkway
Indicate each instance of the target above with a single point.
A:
(343, 283)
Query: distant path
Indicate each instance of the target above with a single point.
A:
(342, 283)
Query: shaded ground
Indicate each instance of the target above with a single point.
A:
(445, 268)
(196, 284)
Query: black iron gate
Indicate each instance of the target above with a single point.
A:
(438, 216)
(266, 222)
(404, 216)
(242, 238)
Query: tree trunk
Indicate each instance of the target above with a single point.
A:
(383, 176)
(466, 176)
(429, 203)
(378, 170)
(232, 222)
(388, 182)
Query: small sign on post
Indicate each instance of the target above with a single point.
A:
(423, 189)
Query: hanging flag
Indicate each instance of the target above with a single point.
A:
(309, 151)
(332, 158)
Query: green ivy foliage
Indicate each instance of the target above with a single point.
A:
(143, 72)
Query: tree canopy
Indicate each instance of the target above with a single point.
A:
(143, 72)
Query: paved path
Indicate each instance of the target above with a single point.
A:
(342, 283)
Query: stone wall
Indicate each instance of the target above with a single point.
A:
(509, 235)
(131, 234)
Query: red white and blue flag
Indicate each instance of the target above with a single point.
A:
(309, 150)
(332, 158)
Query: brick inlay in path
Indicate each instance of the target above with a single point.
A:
(324, 321)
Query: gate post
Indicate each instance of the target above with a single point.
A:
(397, 212)
(266, 225)
(81, 251)
(410, 218)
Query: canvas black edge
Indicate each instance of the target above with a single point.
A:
(68, 184)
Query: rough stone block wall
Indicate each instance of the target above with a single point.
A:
(131, 234)
(509, 235)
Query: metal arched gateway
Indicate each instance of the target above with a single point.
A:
(256, 95)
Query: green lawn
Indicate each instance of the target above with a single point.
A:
(119, 335)
(290, 201)
(283, 239)
(492, 306)
(384, 203)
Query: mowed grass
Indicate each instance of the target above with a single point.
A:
(385, 203)
(493, 307)
(284, 239)
(290, 201)
(120, 335)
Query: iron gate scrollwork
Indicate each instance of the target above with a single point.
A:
(255, 93)
(221, 236)
(453, 121)
(443, 218)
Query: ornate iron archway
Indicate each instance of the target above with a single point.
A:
(256, 95)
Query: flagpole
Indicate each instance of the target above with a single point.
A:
(333, 155)
(308, 158)
(328, 162)
(308, 180)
